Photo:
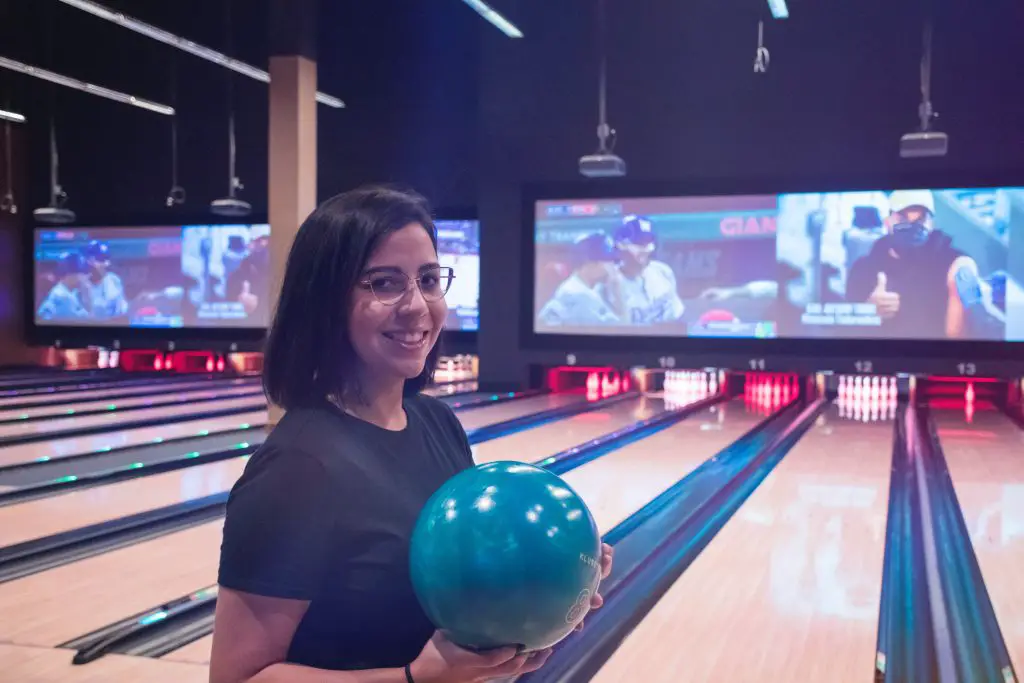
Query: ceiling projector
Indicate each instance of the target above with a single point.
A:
(230, 206)
(54, 215)
(927, 143)
(602, 165)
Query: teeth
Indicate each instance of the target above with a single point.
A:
(407, 337)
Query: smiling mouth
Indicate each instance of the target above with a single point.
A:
(409, 340)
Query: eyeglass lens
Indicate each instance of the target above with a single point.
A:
(390, 286)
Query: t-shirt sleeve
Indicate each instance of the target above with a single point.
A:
(279, 530)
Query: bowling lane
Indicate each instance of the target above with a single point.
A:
(509, 410)
(618, 484)
(113, 418)
(986, 462)
(534, 444)
(54, 606)
(43, 451)
(113, 405)
(197, 652)
(104, 394)
(37, 518)
(69, 389)
(47, 665)
(789, 588)
(34, 519)
(147, 454)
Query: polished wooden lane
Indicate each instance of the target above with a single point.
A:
(54, 606)
(63, 416)
(24, 664)
(98, 443)
(986, 461)
(127, 392)
(532, 444)
(112, 419)
(46, 516)
(34, 519)
(478, 417)
(789, 589)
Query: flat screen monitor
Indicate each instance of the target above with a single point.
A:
(206, 276)
(928, 264)
(458, 247)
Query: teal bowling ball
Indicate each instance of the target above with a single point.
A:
(505, 554)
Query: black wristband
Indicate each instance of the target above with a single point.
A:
(408, 674)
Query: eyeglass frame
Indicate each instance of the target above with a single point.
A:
(366, 284)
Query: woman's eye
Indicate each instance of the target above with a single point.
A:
(387, 284)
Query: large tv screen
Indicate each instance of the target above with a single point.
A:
(157, 277)
(906, 264)
(458, 247)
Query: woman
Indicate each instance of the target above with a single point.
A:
(314, 572)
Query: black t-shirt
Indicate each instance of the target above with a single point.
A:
(325, 511)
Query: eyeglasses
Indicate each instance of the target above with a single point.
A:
(390, 285)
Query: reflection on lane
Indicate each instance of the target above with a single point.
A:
(985, 454)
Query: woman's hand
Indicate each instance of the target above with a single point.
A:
(607, 559)
(442, 661)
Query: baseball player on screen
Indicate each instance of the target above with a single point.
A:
(104, 289)
(645, 290)
(581, 299)
(62, 301)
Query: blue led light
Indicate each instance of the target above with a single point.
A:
(153, 618)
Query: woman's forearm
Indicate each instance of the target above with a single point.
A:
(294, 673)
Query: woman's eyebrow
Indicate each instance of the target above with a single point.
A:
(395, 269)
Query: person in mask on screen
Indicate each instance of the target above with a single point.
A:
(921, 286)
(64, 300)
(106, 298)
(581, 299)
(645, 290)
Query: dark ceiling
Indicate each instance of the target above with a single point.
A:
(415, 76)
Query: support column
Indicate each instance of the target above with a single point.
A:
(292, 145)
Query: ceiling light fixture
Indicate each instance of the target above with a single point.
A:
(74, 83)
(499, 22)
(185, 45)
(11, 116)
(779, 9)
